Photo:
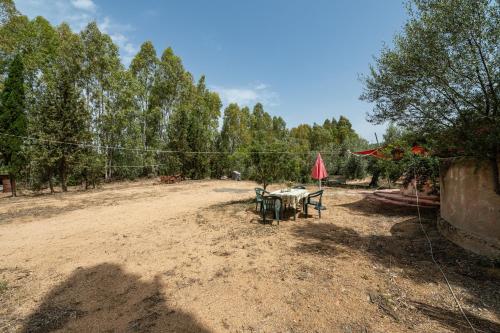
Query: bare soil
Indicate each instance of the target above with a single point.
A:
(195, 257)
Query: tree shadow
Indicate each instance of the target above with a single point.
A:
(407, 248)
(232, 190)
(370, 207)
(104, 298)
(454, 320)
(248, 205)
(237, 203)
(49, 210)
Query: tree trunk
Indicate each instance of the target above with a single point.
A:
(110, 167)
(86, 180)
(106, 169)
(374, 181)
(51, 182)
(13, 185)
(496, 177)
(62, 174)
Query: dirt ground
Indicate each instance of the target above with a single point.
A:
(195, 257)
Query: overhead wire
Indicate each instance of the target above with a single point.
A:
(457, 302)
(107, 147)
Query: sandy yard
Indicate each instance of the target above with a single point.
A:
(194, 257)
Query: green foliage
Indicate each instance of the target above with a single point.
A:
(7, 11)
(441, 78)
(423, 169)
(93, 119)
(3, 286)
(409, 166)
(355, 168)
(389, 169)
(268, 164)
(89, 168)
(13, 119)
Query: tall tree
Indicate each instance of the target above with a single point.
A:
(235, 130)
(62, 116)
(13, 120)
(442, 78)
(101, 68)
(169, 85)
(262, 123)
(144, 68)
(203, 125)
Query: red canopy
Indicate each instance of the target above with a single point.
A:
(417, 150)
(371, 152)
(319, 170)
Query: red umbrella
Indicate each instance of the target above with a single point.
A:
(319, 171)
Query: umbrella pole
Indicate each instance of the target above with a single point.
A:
(319, 181)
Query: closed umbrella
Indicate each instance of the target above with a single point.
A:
(319, 171)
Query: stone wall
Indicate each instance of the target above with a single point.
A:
(470, 208)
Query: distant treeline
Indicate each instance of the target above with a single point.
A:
(71, 113)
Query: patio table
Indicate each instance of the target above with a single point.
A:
(291, 197)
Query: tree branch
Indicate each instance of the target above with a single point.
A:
(483, 87)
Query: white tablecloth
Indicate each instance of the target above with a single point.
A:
(293, 197)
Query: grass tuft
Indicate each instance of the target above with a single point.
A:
(3, 286)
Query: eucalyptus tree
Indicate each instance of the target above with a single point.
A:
(235, 131)
(144, 68)
(121, 127)
(100, 63)
(107, 89)
(204, 112)
(235, 135)
(279, 127)
(178, 133)
(261, 122)
(169, 85)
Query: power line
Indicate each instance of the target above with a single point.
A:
(137, 166)
(434, 259)
(105, 147)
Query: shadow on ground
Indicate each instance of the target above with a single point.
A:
(454, 320)
(248, 205)
(101, 199)
(367, 207)
(407, 248)
(104, 298)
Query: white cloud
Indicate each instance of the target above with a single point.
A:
(235, 95)
(88, 5)
(79, 13)
(248, 96)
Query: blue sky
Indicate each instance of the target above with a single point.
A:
(301, 59)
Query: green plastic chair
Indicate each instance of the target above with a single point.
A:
(271, 203)
(259, 192)
(314, 199)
